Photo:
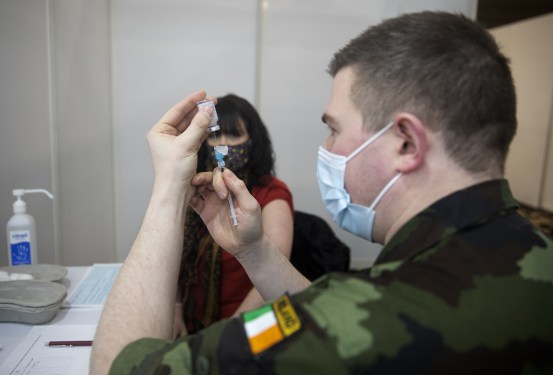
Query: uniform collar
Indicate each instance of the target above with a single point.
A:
(449, 215)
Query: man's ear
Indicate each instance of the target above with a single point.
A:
(412, 146)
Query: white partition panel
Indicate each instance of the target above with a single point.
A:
(80, 51)
(56, 129)
(163, 50)
(25, 138)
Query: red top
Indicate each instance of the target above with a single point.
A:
(235, 283)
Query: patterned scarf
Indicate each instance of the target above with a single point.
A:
(200, 251)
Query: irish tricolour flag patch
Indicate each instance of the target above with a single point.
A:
(270, 324)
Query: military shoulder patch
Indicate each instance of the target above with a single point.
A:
(271, 324)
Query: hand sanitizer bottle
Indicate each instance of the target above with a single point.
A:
(22, 248)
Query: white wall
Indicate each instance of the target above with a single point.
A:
(56, 131)
(162, 51)
(25, 142)
(295, 89)
(83, 180)
(83, 81)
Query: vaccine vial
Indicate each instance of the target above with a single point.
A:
(213, 125)
(220, 153)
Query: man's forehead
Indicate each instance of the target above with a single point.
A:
(340, 99)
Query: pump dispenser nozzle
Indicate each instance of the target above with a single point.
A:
(21, 192)
(19, 206)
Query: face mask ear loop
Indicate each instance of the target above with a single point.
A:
(369, 141)
(386, 188)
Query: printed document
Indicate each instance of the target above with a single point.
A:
(33, 357)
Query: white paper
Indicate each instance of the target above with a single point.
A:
(94, 287)
(33, 357)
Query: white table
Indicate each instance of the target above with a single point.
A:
(11, 334)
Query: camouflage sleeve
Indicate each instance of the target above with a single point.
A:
(277, 338)
(148, 356)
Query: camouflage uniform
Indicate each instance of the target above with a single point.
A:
(466, 286)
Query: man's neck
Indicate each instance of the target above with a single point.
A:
(419, 191)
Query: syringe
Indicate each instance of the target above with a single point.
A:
(232, 212)
(220, 152)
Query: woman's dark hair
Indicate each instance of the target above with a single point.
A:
(233, 111)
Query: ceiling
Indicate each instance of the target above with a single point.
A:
(493, 13)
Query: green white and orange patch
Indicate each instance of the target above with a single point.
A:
(271, 324)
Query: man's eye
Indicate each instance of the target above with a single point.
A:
(331, 130)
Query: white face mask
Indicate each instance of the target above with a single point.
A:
(331, 168)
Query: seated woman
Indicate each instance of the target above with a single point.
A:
(212, 283)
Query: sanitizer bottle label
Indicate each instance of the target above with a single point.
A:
(20, 247)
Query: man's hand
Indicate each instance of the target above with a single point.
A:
(210, 202)
(175, 140)
(266, 266)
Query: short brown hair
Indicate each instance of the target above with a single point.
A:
(444, 68)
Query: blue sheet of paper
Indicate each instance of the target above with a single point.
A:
(94, 286)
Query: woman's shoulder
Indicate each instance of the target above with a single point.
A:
(271, 188)
(271, 182)
(268, 183)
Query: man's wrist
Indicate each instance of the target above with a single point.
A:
(253, 253)
(172, 187)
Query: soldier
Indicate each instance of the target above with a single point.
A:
(421, 116)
